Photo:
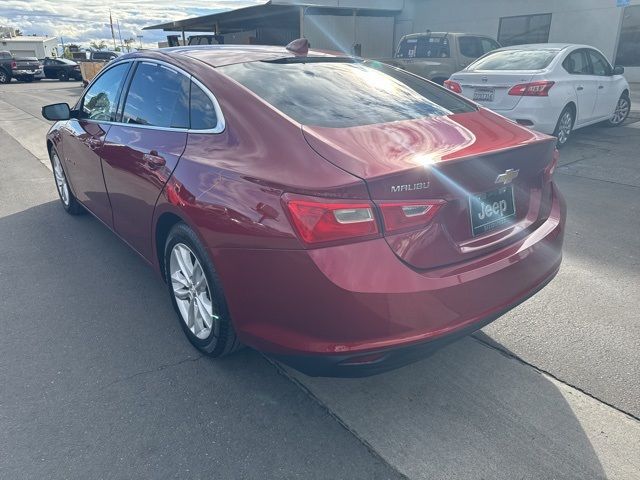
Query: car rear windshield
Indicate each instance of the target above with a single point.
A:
(344, 93)
(515, 60)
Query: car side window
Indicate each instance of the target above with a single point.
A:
(100, 101)
(577, 63)
(470, 47)
(488, 45)
(158, 96)
(202, 111)
(599, 64)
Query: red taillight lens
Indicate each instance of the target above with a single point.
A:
(322, 220)
(533, 89)
(14, 65)
(453, 86)
(401, 216)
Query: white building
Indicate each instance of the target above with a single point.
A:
(372, 28)
(27, 46)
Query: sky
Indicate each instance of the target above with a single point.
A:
(82, 21)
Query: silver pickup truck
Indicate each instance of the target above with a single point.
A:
(438, 55)
(22, 69)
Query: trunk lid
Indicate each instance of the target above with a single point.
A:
(490, 88)
(446, 158)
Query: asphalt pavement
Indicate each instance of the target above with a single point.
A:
(97, 380)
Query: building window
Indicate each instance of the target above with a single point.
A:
(524, 29)
(629, 44)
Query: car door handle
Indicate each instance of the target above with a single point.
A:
(600, 87)
(580, 88)
(153, 160)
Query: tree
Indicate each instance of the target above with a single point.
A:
(101, 45)
(128, 42)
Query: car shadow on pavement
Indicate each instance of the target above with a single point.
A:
(467, 412)
(98, 380)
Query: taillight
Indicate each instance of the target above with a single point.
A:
(453, 86)
(14, 65)
(551, 168)
(401, 216)
(319, 220)
(533, 89)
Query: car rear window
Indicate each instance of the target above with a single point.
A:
(515, 60)
(424, 46)
(344, 93)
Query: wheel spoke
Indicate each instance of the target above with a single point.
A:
(179, 278)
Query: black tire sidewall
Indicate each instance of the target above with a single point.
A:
(628, 98)
(573, 122)
(74, 208)
(7, 77)
(181, 233)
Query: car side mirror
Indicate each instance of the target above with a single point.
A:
(618, 70)
(56, 111)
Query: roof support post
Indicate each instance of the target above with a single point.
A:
(184, 40)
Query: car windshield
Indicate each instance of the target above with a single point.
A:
(344, 93)
(515, 60)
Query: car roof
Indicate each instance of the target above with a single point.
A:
(447, 34)
(545, 46)
(220, 55)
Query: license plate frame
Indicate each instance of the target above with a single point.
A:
(491, 210)
(484, 94)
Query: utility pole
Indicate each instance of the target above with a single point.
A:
(120, 35)
(113, 35)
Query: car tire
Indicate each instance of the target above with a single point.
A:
(63, 76)
(198, 301)
(564, 126)
(623, 107)
(4, 76)
(69, 202)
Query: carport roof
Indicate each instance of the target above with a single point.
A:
(273, 14)
(232, 20)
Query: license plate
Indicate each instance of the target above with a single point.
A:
(483, 94)
(491, 210)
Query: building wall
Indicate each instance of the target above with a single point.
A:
(26, 48)
(341, 32)
(591, 22)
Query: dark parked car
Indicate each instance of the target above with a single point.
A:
(22, 69)
(341, 215)
(105, 56)
(62, 69)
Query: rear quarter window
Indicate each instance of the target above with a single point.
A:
(344, 94)
(515, 60)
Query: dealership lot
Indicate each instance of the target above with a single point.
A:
(97, 379)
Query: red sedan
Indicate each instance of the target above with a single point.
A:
(338, 214)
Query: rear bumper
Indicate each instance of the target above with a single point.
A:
(539, 113)
(320, 310)
(16, 73)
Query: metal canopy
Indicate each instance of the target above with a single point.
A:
(247, 18)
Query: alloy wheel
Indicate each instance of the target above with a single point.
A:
(61, 179)
(621, 112)
(191, 292)
(3, 77)
(565, 125)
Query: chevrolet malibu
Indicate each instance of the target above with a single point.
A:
(340, 215)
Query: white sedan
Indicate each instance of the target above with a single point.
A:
(552, 88)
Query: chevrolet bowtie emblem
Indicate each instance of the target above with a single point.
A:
(507, 176)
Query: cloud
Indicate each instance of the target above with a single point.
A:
(88, 20)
